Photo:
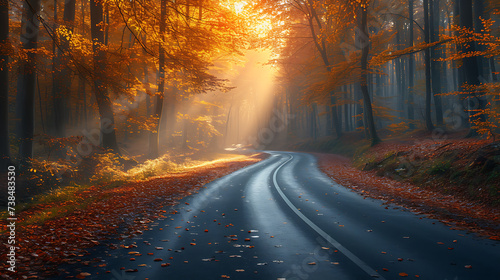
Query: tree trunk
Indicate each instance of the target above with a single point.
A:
(435, 65)
(4, 85)
(154, 136)
(471, 68)
(322, 49)
(427, 61)
(411, 60)
(368, 111)
(61, 75)
(107, 119)
(26, 85)
(478, 28)
(335, 116)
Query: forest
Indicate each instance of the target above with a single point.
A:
(368, 128)
(90, 84)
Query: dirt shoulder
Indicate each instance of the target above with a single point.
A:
(102, 212)
(456, 210)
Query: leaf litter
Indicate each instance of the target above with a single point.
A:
(104, 211)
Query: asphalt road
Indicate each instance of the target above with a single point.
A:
(283, 219)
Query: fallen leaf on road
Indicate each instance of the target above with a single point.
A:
(403, 274)
(82, 275)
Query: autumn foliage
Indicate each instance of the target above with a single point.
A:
(63, 224)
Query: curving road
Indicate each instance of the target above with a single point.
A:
(283, 219)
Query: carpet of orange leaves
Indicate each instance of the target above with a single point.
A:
(115, 212)
(455, 211)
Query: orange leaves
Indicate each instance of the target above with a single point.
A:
(403, 274)
(82, 275)
(419, 151)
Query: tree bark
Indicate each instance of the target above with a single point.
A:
(335, 116)
(435, 65)
(471, 68)
(4, 85)
(107, 119)
(368, 111)
(154, 136)
(61, 76)
(411, 76)
(321, 47)
(427, 61)
(26, 85)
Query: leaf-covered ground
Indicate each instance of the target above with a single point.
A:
(101, 212)
(453, 209)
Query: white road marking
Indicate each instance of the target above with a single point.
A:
(323, 234)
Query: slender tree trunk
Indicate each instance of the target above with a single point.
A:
(478, 28)
(411, 76)
(322, 49)
(154, 137)
(471, 68)
(107, 119)
(427, 57)
(335, 115)
(435, 65)
(26, 86)
(368, 111)
(83, 95)
(494, 74)
(329, 116)
(40, 103)
(460, 73)
(61, 75)
(81, 80)
(4, 86)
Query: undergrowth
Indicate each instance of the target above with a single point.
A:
(56, 186)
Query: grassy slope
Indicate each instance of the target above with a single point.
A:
(447, 163)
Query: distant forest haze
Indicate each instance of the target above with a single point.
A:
(136, 80)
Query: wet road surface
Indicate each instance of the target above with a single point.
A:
(283, 219)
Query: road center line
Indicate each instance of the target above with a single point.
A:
(323, 234)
